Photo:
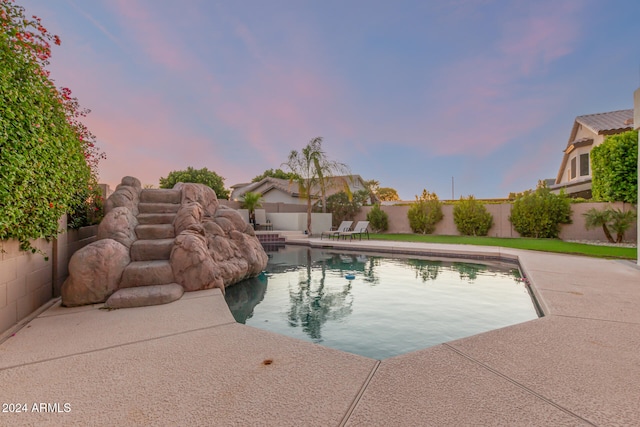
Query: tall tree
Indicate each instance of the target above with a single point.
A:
(313, 168)
(199, 176)
(388, 194)
(278, 173)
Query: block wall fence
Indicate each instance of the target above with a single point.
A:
(399, 223)
(27, 281)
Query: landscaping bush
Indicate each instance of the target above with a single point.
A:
(539, 213)
(378, 219)
(343, 207)
(425, 213)
(471, 217)
(614, 167)
(48, 160)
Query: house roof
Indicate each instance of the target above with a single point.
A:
(334, 185)
(608, 123)
(582, 142)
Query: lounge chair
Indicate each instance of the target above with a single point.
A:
(335, 232)
(361, 228)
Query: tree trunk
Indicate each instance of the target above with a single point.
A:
(309, 215)
(607, 233)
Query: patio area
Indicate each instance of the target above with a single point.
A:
(189, 363)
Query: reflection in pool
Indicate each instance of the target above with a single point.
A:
(393, 305)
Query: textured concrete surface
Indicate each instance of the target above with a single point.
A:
(189, 363)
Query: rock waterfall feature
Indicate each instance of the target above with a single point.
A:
(153, 245)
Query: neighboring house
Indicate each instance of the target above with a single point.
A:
(588, 131)
(275, 190)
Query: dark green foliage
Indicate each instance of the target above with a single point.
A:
(595, 218)
(621, 221)
(278, 173)
(342, 207)
(614, 167)
(539, 214)
(471, 217)
(44, 169)
(199, 176)
(425, 213)
(378, 219)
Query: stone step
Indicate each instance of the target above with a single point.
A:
(155, 231)
(147, 273)
(149, 250)
(156, 218)
(145, 295)
(158, 207)
(153, 195)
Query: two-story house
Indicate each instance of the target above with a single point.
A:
(588, 131)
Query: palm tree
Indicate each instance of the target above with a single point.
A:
(620, 222)
(595, 218)
(313, 169)
(251, 201)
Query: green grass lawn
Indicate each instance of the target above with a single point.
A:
(546, 245)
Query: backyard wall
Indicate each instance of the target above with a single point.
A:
(399, 223)
(27, 281)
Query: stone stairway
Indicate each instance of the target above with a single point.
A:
(148, 279)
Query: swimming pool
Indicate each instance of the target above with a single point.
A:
(393, 304)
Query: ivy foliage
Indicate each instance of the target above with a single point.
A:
(539, 213)
(471, 217)
(46, 154)
(614, 167)
(378, 219)
(198, 176)
(425, 213)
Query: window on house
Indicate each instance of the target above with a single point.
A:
(573, 168)
(584, 164)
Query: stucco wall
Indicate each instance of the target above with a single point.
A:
(27, 280)
(399, 223)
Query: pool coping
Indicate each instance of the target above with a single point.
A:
(575, 366)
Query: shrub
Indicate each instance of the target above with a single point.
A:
(614, 165)
(199, 176)
(343, 207)
(540, 213)
(425, 213)
(471, 217)
(595, 218)
(48, 159)
(621, 221)
(378, 219)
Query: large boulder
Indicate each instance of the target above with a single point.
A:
(199, 193)
(127, 194)
(120, 225)
(191, 263)
(94, 273)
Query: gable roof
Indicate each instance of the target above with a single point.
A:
(608, 123)
(334, 185)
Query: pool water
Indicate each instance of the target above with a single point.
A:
(393, 305)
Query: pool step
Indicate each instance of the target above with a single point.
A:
(147, 273)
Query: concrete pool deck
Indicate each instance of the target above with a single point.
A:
(189, 363)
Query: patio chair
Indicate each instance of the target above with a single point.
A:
(334, 232)
(361, 228)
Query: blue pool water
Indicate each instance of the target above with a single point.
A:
(393, 304)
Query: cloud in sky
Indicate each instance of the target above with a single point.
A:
(461, 86)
